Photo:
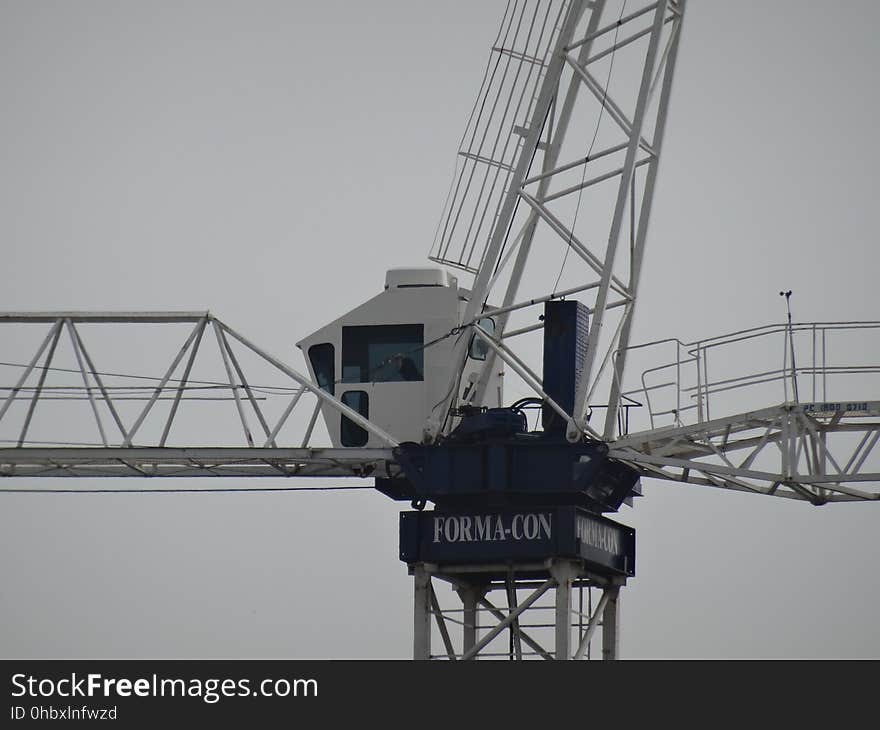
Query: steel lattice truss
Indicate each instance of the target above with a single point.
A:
(137, 429)
(817, 451)
(521, 623)
(708, 422)
(808, 462)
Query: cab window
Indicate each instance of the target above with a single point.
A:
(479, 348)
(323, 360)
(383, 353)
(350, 433)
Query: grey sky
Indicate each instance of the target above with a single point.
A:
(230, 155)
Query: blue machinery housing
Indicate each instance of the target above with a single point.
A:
(566, 329)
(525, 469)
(504, 494)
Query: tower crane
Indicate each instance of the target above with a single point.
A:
(536, 267)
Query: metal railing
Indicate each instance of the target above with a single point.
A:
(752, 368)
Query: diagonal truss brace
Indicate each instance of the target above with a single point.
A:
(802, 455)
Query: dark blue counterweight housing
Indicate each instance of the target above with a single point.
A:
(566, 329)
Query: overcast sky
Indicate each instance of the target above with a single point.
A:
(269, 161)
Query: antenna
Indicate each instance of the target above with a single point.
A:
(790, 336)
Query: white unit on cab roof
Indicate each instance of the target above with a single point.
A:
(390, 358)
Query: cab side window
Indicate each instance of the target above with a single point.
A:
(323, 360)
(350, 433)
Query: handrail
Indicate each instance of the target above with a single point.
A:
(697, 383)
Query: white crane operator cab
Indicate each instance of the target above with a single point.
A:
(390, 359)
